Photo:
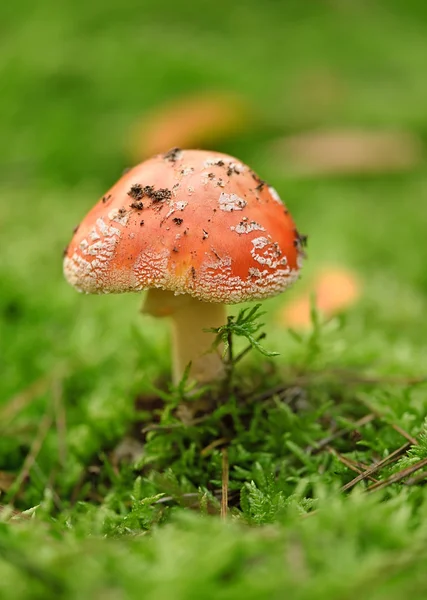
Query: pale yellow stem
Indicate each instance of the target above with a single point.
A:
(190, 343)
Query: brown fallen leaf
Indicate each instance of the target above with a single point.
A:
(348, 151)
(196, 121)
(336, 289)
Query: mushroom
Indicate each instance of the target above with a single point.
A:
(198, 230)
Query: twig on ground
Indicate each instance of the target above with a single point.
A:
(45, 425)
(376, 467)
(342, 376)
(417, 479)
(405, 434)
(213, 445)
(348, 463)
(322, 444)
(60, 420)
(224, 495)
(378, 414)
(398, 476)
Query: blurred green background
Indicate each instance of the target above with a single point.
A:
(78, 79)
(325, 99)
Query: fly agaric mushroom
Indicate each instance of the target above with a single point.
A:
(199, 230)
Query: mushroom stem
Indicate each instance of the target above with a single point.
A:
(191, 343)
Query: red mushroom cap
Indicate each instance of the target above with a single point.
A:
(189, 221)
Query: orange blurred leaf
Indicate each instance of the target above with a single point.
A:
(336, 289)
(196, 121)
